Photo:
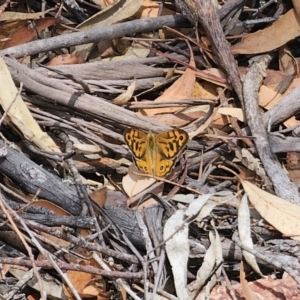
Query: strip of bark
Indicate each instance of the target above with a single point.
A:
(281, 182)
(32, 178)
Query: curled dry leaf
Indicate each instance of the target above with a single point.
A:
(212, 260)
(244, 229)
(127, 95)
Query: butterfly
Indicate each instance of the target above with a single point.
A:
(155, 154)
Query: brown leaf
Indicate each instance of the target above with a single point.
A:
(285, 29)
(248, 293)
(264, 288)
(66, 59)
(25, 32)
(182, 88)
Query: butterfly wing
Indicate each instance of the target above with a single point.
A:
(168, 146)
(163, 167)
(155, 155)
(136, 140)
(170, 143)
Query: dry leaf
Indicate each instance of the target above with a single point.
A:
(244, 229)
(247, 292)
(267, 289)
(120, 10)
(99, 196)
(126, 96)
(88, 286)
(296, 5)
(233, 112)
(177, 248)
(150, 9)
(51, 286)
(134, 183)
(205, 90)
(213, 258)
(268, 97)
(25, 33)
(286, 61)
(11, 15)
(182, 88)
(284, 29)
(253, 164)
(134, 51)
(65, 59)
(281, 214)
(86, 149)
(19, 113)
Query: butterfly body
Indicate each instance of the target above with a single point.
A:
(155, 154)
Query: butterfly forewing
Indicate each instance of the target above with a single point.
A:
(136, 141)
(169, 143)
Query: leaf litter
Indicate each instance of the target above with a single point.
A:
(223, 223)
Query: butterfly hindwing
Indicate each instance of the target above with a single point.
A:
(163, 167)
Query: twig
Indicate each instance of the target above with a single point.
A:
(160, 291)
(19, 285)
(80, 188)
(56, 156)
(200, 73)
(12, 103)
(4, 6)
(95, 35)
(75, 267)
(182, 102)
(127, 289)
(273, 262)
(4, 207)
(120, 282)
(82, 242)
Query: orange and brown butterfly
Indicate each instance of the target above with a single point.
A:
(155, 154)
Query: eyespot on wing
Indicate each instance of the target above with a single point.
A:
(163, 168)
